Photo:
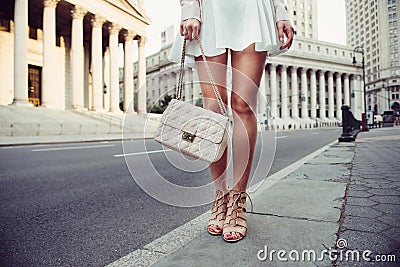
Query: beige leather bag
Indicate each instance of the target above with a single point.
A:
(192, 130)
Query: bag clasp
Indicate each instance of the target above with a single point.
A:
(188, 136)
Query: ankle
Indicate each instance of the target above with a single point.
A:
(239, 189)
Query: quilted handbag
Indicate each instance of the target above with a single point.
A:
(192, 130)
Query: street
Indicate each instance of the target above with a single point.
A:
(78, 205)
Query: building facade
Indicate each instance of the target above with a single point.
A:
(373, 25)
(64, 53)
(304, 17)
(308, 84)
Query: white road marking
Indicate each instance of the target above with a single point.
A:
(281, 137)
(69, 148)
(315, 133)
(196, 226)
(142, 153)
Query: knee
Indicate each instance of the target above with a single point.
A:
(240, 106)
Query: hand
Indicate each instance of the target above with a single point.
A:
(190, 29)
(285, 29)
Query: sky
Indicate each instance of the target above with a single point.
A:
(163, 13)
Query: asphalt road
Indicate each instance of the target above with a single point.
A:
(78, 204)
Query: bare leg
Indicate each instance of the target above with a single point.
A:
(218, 69)
(218, 169)
(248, 66)
(247, 69)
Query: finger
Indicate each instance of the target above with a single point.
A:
(290, 37)
(182, 29)
(196, 30)
(289, 34)
(189, 31)
(280, 32)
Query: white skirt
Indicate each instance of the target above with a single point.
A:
(233, 24)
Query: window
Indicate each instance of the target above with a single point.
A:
(4, 25)
(33, 33)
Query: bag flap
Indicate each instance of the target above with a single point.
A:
(195, 120)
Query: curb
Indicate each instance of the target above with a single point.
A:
(177, 238)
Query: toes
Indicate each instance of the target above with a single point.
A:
(214, 228)
(233, 236)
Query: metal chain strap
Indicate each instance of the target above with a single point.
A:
(181, 75)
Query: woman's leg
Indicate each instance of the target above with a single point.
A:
(218, 69)
(247, 69)
(218, 169)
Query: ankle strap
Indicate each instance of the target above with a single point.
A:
(242, 194)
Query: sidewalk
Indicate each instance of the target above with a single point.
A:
(371, 219)
(347, 190)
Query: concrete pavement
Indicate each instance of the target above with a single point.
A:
(371, 218)
(342, 198)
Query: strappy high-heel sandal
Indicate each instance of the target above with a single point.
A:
(218, 214)
(236, 220)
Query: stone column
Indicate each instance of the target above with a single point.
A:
(274, 98)
(186, 85)
(357, 109)
(304, 95)
(97, 62)
(49, 53)
(262, 103)
(267, 92)
(346, 89)
(361, 99)
(21, 53)
(352, 92)
(106, 79)
(322, 101)
(331, 97)
(128, 72)
(382, 99)
(284, 93)
(339, 96)
(114, 70)
(295, 93)
(77, 64)
(313, 80)
(196, 86)
(142, 76)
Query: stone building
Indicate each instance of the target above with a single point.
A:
(308, 84)
(374, 25)
(64, 53)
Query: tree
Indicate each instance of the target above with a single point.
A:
(163, 104)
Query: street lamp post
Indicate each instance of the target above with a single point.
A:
(359, 49)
